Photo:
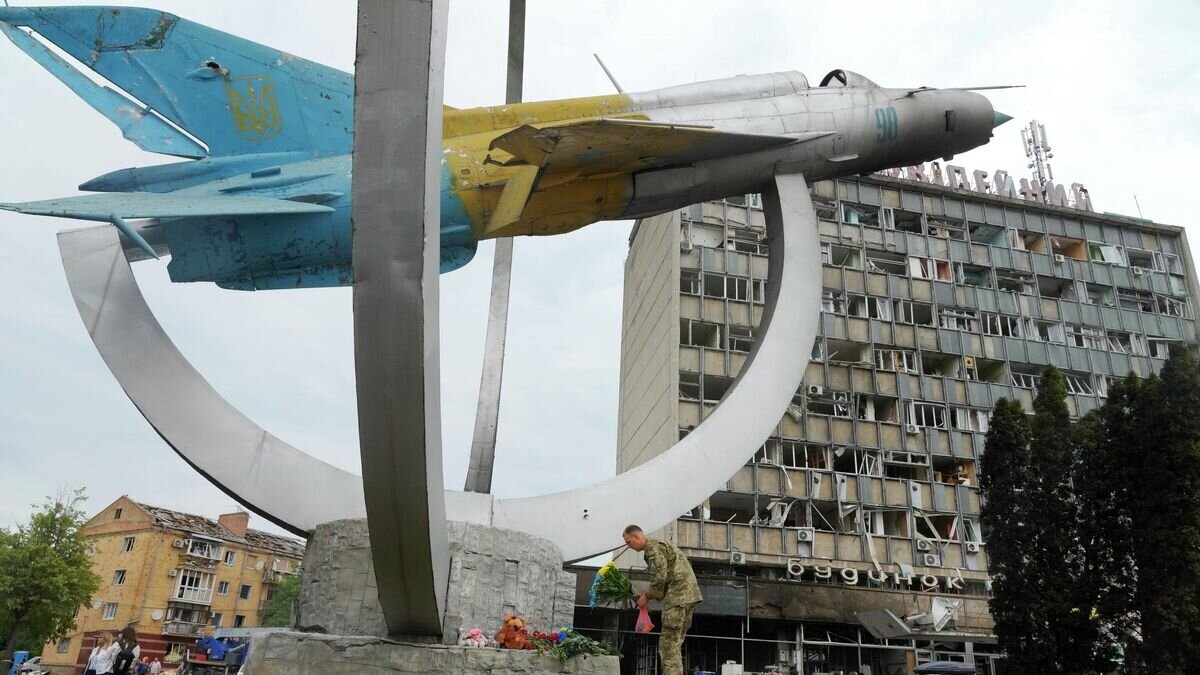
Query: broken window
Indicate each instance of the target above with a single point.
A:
(1141, 301)
(1014, 282)
(1104, 383)
(1068, 247)
(1127, 343)
(886, 263)
(973, 275)
(714, 387)
(203, 549)
(876, 408)
(1079, 384)
(907, 311)
(841, 351)
(721, 286)
(1025, 378)
(1048, 331)
(1053, 287)
(859, 214)
(1092, 338)
(1099, 295)
(699, 334)
(999, 324)
(689, 386)
(1174, 264)
(957, 319)
(1105, 253)
(1169, 306)
(869, 307)
(940, 365)
(833, 302)
(925, 415)
(941, 228)
(833, 404)
(897, 360)
(818, 350)
(689, 282)
(1159, 348)
(841, 256)
(906, 221)
(793, 454)
(741, 338)
(927, 268)
(1145, 260)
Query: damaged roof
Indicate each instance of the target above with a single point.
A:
(206, 527)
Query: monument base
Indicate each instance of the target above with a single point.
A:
(315, 654)
(493, 572)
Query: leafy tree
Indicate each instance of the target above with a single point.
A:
(278, 610)
(1008, 524)
(45, 574)
(1164, 506)
(1068, 634)
(1105, 578)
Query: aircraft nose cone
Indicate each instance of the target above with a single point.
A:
(999, 118)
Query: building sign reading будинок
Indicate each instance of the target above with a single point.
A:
(853, 577)
(1001, 185)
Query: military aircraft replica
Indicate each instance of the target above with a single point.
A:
(263, 198)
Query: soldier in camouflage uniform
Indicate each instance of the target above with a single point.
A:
(675, 585)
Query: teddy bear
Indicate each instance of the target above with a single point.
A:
(473, 638)
(514, 634)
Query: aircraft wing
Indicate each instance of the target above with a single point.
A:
(104, 207)
(115, 207)
(616, 145)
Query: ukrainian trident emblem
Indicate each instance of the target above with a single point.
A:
(254, 107)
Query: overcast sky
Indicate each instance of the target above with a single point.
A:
(1116, 84)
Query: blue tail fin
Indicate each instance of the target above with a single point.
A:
(236, 96)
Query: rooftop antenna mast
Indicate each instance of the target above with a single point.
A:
(1037, 150)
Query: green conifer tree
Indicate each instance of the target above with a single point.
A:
(1007, 521)
(1164, 506)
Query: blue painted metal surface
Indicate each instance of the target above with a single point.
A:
(236, 216)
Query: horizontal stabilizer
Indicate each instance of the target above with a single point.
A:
(616, 145)
(104, 207)
(140, 125)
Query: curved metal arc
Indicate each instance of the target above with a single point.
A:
(656, 493)
(215, 438)
(220, 442)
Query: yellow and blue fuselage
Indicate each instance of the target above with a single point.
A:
(263, 200)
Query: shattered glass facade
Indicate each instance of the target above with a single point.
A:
(937, 302)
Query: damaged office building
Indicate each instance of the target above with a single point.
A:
(851, 543)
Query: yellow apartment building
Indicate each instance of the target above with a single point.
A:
(171, 575)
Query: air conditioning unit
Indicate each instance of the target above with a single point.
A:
(1139, 271)
(912, 429)
(737, 558)
(1060, 258)
(806, 534)
(815, 390)
(685, 245)
(172, 573)
(178, 543)
(924, 545)
(931, 560)
(972, 547)
(969, 361)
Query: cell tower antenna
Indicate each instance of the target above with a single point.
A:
(1037, 150)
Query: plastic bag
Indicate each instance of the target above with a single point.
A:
(644, 624)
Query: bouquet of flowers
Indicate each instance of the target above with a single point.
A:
(566, 643)
(610, 587)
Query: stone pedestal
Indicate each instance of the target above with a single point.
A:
(313, 654)
(493, 572)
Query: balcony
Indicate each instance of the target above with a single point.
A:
(183, 628)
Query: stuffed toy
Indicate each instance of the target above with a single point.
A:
(514, 634)
(473, 638)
